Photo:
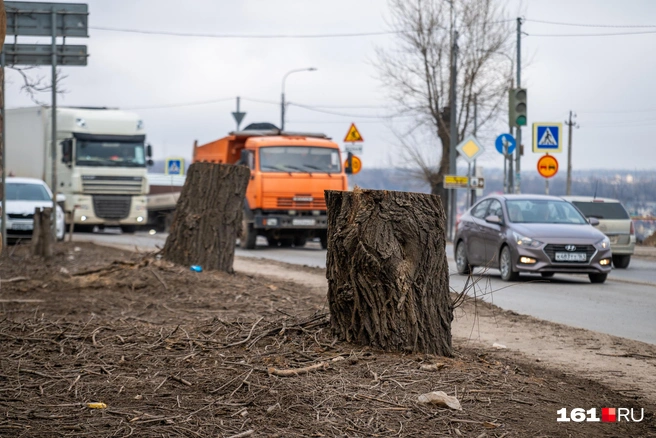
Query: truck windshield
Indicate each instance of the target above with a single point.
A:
(306, 159)
(110, 153)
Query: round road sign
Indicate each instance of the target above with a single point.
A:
(505, 139)
(547, 166)
(356, 164)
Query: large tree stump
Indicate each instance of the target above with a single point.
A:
(207, 219)
(388, 277)
(42, 238)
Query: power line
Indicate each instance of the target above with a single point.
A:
(627, 26)
(590, 34)
(175, 105)
(387, 116)
(241, 36)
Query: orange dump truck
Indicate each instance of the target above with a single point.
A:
(289, 173)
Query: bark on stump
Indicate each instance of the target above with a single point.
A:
(42, 237)
(207, 219)
(388, 277)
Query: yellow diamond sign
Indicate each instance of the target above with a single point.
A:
(470, 149)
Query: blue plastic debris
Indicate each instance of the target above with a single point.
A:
(196, 268)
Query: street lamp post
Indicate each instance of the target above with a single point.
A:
(282, 97)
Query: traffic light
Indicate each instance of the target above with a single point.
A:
(517, 107)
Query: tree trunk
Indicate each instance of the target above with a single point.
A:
(207, 219)
(388, 278)
(42, 237)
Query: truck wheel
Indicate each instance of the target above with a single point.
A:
(128, 229)
(299, 242)
(324, 242)
(286, 242)
(248, 236)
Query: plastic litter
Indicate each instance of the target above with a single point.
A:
(196, 268)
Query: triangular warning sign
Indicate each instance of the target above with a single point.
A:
(547, 139)
(353, 135)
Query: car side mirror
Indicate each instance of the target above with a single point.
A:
(149, 151)
(493, 219)
(593, 221)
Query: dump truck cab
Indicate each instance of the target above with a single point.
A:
(289, 173)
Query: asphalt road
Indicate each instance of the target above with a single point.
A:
(624, 306)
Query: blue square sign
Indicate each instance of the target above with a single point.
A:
(174, 166)
(547, 137)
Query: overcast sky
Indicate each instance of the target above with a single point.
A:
(607, 80)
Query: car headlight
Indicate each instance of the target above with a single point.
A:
(526, 241)
(603, 243)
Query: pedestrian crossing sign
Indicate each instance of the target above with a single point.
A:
(174, 166)
(547, 137)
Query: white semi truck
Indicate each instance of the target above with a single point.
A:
(101, 161)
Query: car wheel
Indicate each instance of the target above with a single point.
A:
(621, 261)
(547, 274)
(462, 263)
(505, 266)
(597, 278)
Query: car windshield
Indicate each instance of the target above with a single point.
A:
(299, 159)
(27, 192)
(602, 210)
(110, 153)
(543, 211)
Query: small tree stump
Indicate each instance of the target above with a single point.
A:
(42, 237)
(207, 219)
(388, 277)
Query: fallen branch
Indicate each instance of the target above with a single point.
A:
(14, 280)
(249, 432)
(248, 337)
(22, 301)
(152, 271)
(297, 371)
(181, 380)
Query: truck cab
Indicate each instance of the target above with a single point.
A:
(101, 161)
(289, 173)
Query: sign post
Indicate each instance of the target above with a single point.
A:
(505, 144)
(44, 19)
(469, 149)
(353, 145)
(547, 168)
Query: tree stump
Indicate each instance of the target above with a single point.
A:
(42, 237)
(208, 215)
(388, 277)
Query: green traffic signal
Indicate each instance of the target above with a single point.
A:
(517, 107)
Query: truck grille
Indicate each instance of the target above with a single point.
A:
(551, 250)
(301, 201)
(112, 207)
(112, 184)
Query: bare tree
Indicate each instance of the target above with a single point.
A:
(417, 73)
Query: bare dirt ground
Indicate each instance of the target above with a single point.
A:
(171, 352)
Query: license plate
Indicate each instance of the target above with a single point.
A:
(571, 257)
(614, 239)
(22, 226)
(304, 222)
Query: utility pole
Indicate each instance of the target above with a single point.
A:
(518, 137)
(570, 124)
(453, 136)
(471, 198)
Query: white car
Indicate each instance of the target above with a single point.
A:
(23, 196)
